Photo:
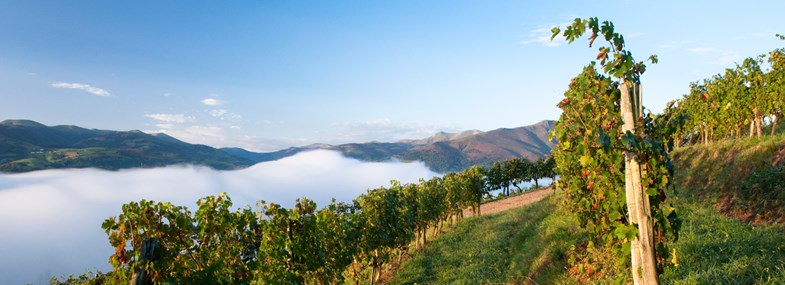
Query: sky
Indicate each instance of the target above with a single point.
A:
(266, 75)
(55, 216)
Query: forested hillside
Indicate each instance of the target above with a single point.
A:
(28, 146)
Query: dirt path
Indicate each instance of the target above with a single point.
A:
(513, 202)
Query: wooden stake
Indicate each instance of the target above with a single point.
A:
(644, 264)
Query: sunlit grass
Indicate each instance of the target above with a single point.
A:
(714, 249)
(517, 246)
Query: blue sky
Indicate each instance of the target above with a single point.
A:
(266, 75)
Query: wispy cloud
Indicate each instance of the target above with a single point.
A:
(224, 115)
(383, 130)
(213, 102)
(170, 118)
(702, 50)
(542, 35)
(675, 44)
(717, 56)
(81, 86)
(168, 94)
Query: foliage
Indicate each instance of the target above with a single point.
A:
(503, 174)
(749, 94)
(590, 154)
(214, 245)
(274, 245)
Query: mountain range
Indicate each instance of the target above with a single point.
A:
(27, 146)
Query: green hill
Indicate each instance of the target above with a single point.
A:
(730, 197)
(29, 146)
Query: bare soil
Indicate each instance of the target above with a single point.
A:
(512, 202)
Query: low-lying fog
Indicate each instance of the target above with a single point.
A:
(50, 221)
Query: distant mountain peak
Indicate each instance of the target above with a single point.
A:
(443, 151)
(22, 123)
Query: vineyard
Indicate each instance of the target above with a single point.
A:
(721, 107)
(615, 179)
(169, 244)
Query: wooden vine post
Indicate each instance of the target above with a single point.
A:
(638, 229)
(644, 264)
(141, 276)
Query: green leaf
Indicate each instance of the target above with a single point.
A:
(555, 32)
(586, 160)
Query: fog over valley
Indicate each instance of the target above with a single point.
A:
(52, 219)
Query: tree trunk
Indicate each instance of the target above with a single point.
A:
(373, 273)
(774, 120)
(758, 121)
(644, 264)
(752, 128)
(416, 240)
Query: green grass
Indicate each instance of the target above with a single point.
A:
(516, 246)
(742, 178)
(715, 249)
(530, 244)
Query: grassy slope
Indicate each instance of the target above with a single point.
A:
(532, 243)
(742, 178)
(528, 243)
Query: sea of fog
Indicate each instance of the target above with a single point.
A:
(50, 221)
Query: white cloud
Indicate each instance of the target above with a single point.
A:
(170, 118)
(165, 126)
(74, 203)
(223, 114)
(717, 56)
(702, 50)
(168, 94)
(382, 130)
(676, 44)
(84, 87)
(212, 102)
(542, 35)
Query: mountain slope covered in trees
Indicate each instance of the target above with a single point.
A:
(28, 146)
